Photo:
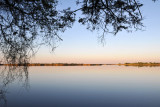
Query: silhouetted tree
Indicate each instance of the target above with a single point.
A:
(26, 24)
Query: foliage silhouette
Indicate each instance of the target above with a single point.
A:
(28, 24)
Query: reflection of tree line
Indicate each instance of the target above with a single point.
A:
(7, 76)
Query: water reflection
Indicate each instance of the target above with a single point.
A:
(89, 86)
(3, 99)
(9, 74)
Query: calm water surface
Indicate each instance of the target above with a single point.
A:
(80, 86)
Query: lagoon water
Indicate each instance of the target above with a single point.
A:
(80, 86)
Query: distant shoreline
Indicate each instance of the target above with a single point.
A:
(53, 64)
(139, 64)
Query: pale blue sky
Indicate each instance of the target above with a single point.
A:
(81, 46)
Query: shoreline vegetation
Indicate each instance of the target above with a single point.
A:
(52, 64)
(139, 64)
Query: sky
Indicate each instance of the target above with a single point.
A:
(82, 46)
